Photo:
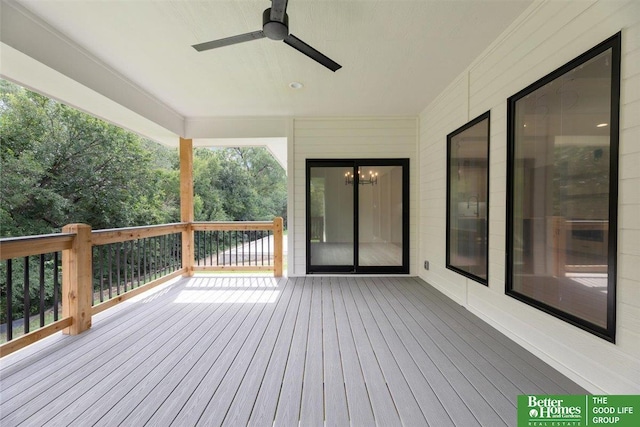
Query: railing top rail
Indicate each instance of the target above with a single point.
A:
(115, 235)
(232, 225)
(16, 247)
(140, 227)
(267, 222)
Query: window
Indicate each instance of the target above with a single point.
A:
(467, 199)
(562, 191)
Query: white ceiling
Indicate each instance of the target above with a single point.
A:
(397, 56)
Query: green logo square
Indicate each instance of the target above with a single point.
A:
(578, 411)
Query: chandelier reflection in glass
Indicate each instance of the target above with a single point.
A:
(363, 179)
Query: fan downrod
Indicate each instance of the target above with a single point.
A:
(275, 30)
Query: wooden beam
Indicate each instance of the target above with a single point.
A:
(137, 291)
(277, 247)
(233, 268)
(105, 237)
(232, 226)
(76, 279)
(25, 340)
(186, 203)
(34, 245)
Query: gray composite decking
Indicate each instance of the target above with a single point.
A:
(262, 351)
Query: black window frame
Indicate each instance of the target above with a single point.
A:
(469, 275)
(609, 332)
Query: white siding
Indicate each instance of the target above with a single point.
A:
(348, 138)
(545, 37)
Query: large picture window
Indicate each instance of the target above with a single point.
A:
(467, 199)
(562, 190)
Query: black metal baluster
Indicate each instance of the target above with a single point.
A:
(197, 251)
(163, 241)
(26, 296)
(242, 248)
(133, 263)
(210, 247)
(156, 249)
(179, 250)
(224, 245)
(178, 243)
(172, 239)
(56, 287)
(9, 300)
(144, 260)
(269, 254)
(125, 247)
(41, 290)
(170, 253)
(118, 274)
(101, 261)
(236, 238)
(160, 256)
(110, 271)
(217, 248)
(176, 251)
(138, 275)
(261, 247)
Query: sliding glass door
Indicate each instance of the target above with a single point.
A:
(358, 216)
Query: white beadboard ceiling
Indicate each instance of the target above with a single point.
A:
(396, 55)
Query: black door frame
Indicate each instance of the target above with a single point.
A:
(355, 268)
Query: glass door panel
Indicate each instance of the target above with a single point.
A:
(380, 216)
(331, 216)
(357, 214)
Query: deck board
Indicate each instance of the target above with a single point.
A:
(357, 393)
(290, 393)
(216, 350)
(312, 404)
(336, 411)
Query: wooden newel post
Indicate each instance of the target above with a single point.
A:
(77, 288)
(277, 247)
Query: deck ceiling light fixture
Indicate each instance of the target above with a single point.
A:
(363, 179)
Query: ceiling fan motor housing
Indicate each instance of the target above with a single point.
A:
(275, 30)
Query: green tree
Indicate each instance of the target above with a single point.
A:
(61, 166)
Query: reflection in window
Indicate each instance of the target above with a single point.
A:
(563, 191)
(467, 199)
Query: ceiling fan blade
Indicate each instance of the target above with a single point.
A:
(278, 9)
(301, 46)
(247, 37)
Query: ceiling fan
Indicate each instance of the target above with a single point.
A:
(275, 26)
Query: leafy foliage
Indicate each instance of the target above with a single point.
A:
(61, 166)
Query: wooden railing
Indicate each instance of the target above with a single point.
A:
(233, 246)
(105, 267)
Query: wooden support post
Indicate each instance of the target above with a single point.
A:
(277, 246)
(186, 203)
(77, 288)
